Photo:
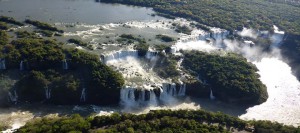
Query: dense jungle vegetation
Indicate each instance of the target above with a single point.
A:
(231, 77)
(180, 121)
(37, 64)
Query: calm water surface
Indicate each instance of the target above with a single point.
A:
(72, 11)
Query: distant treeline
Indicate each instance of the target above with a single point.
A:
(290, 2)
(228, 14)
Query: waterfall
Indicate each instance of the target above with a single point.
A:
(142, 96)
(173, 91)
(153, 99)
(204, 36)
(174, 49)
(151, 54)
(120, 55)
(198, 78)
(21, 65)
(165, 94)
(2, 64)
(277, 37)
(83, 95)
(212, 97)
(65, 64)
(219, 35)
(127, 96)
(182, 90)
(13, 97)
(47, 92)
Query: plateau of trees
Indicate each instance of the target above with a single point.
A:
(25, 34)
(231, 77)
(183, 29)
(78, 42)
(165, 38)
(154, 121)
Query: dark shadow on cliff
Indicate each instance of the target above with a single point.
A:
(219, 106)
(290, 50)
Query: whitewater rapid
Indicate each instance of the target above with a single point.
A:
(283, 104)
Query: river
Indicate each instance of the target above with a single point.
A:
(74, 11)
(283, 88)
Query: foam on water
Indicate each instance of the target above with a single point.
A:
(283, 104)
(200, 45)
(248, 33)
(179, 106)
(277, 31)
(16, 119)
(135, 71)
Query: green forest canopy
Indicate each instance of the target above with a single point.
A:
(230, 76)
(180, 121)
(229, 14)
(42, 68)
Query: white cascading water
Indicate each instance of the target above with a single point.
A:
(151, 54)
(2, 64)
(115, 56)
(169, 93)
(277, 36)
(251, 33)
(204, 36)
(131, 66)
(144, 88)
(197, 41)
(182, 90)
(142, 96)
(83, 95)
(21, 65)
(172, 90)
(47, 93)
(219, 34)
(65, 64)
(147, 96)
(211, 95)
(153, 98)
(152, 57)
(13, 97)
(127, 96)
